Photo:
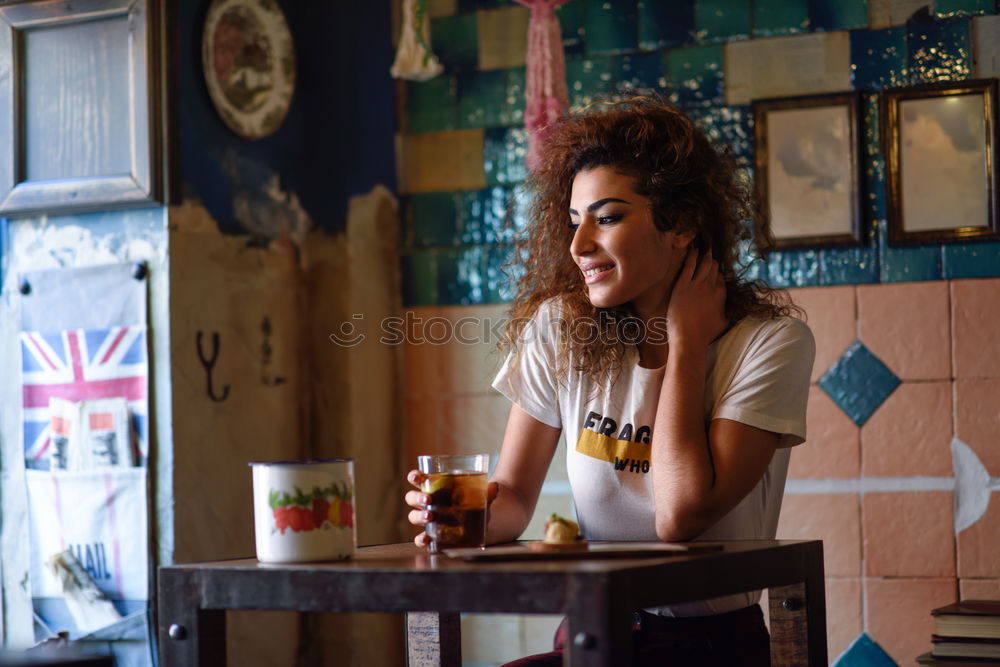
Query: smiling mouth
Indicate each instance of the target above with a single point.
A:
(594, 274)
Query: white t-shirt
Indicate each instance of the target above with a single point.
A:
(758, 374)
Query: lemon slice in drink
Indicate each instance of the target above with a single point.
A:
(434, 483)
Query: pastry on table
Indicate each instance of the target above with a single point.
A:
(561, 534)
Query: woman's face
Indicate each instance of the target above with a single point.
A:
(624, 258)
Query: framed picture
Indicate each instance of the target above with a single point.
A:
(80, 116)
(807, 169)
(940, 148)
(249, 64)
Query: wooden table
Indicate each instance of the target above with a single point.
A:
(598, 596)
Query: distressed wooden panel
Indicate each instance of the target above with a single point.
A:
(787, 66)
(503, 37)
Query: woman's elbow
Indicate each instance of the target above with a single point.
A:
(679, 526)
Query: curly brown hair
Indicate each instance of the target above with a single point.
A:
(692, 187)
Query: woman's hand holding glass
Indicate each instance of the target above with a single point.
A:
(419, 501)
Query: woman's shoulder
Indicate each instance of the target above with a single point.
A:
(780, 330)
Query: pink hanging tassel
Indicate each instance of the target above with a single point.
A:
(546, 96)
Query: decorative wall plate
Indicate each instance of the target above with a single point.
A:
(249, 64)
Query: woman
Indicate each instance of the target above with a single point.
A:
(679, 384)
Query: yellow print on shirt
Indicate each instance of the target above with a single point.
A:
(627, 448)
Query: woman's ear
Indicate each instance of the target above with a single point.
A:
(683, 240)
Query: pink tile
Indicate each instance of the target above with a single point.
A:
(832, 447)
(833, 518)
(843, 614)
(911, 433)
(979, 589)
(831, 314)
(976, 327)
(977, 419)
(898, 613)
(908, 534)
(906, 325)
(979, 544)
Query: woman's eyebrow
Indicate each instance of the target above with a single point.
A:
(599, 203)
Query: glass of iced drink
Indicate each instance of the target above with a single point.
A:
(456, 485)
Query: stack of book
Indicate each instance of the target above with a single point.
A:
(966, 634)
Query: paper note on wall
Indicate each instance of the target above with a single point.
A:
(89, 434)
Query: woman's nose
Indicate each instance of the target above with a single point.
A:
(583, 240)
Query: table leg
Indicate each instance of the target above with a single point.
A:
(600, 631)
(188, 636)
(798, 625)
(433, 639)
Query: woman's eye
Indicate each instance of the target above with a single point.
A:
(572, 225)
(608, 219)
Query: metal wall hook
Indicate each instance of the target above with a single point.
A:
(209, 364)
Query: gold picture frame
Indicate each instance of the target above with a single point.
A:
(940, 147)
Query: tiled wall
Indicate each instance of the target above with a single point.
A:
(907, 344)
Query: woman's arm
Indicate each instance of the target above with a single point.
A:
(528, 446)
(699, 477)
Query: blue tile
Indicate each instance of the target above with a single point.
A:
(848, 266)
(641, 73)
(830, 15)
(504, 152)
(730, 127)
(864, 652)
(939, 51)
(721, 19)
(858, 382)
(571, 26)
(481, 98)
(972, 260)
(520, 203)
(879, 58)
(419, 278)
(874, 189)
(502, 274)
(612, 26)
(455, 41)
(870, 136)
(779, 17)
(588, 79)
(694, 75)
(431, 106)
(950, 8)
(663, 24)
(486, 216)
(792, 268)
(515, 82)
(907, 264)
(471, 214)
(460, 279)
(432, 219)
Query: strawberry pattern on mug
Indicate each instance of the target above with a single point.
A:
(322, 508)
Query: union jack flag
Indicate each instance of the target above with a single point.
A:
(81, 365)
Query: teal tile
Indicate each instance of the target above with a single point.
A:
(432, 220)
(663, 24)
(520, 204)
(571, 26)
(870, 134)
(461, 274)
(730, 127)
(612, 26)
(419, 278)
(515, 82)
(504, 152)
(475, 5)
(864, 652)
(779, 17)
(972, 260)
(497, 220)
(471, 211)
(830, 15)
(431, 106)
(907, 264)
(859, 382)
(455, 41)
(641, 73)
(945, 9)
(792, 268)
(481, 99)
(721, 19)
(879, 58)
(939, 51)
(848, 266)
(874, 197)
(588, 79)
(502, 274)
(694, 75)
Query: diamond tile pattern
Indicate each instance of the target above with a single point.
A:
(859, 382)
(864, 652)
